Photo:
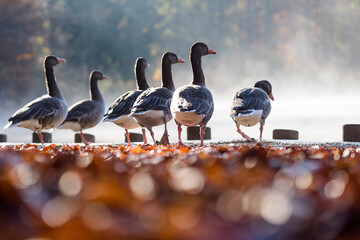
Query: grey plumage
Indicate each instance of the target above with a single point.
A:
(251, 106)
(249, 99)
(152, 107)
(122, 105)
(48, 111)
(193, 104)
(87, 113)
(45, 112)
(153, 99)
(195, 98)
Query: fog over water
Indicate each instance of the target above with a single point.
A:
(309, 54)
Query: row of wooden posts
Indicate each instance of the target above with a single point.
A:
(351, 133)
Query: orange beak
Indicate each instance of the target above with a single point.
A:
(271, 96)
(211, 51)
(105, 77)
(61, 60)
(180, 60)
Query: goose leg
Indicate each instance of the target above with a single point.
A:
(165, 138)
(128, 137)
(244, 135)
(180, 143)
(202, 134)
(261, 130)
(144, 135)
(40, 137)
(83, 138)
(152, 134)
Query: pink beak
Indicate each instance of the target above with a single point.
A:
(61, 60)
(180, 60)
(271, 96)
(105, 77)
(211, 51)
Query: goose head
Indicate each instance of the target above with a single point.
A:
(266, 86)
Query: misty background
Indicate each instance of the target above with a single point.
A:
(308, 50)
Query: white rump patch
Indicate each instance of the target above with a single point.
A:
(126, 122)
(75, 126)
(32, 124)
(151, 117)
(248, 120)
(188, 118)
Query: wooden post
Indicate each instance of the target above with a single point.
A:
(193, 133)
(88, 137)
(134, 137)
(3, 138)
(46, 137)
(351, 133)
(285, 134)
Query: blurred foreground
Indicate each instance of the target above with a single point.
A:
(152, 192)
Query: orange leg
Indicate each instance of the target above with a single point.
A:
(244, 135)
(128, 137)
(83, 138)
(180, 143)
(165, 138)
(202, 134)
(261, 130)
(40, 137)
(152, 134)
(144, 135)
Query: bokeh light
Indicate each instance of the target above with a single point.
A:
(143, 186)
(70, 183)
(187, 179)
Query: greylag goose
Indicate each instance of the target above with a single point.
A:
(152, 107)
(46, 112)
(193, 104)
(87, 113)
(251, 106)
(118, 112)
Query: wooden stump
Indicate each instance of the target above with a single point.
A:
(3, 138)
(88, 137)
(351, 133)
(193, 133)
(134, 137)
(46, 137)
(285, 134)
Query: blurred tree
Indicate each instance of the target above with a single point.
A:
(109, 35)
(20, 23)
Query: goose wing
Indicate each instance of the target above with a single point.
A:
(193, 98)
(122, 105)
(249, 99)
(86, 109)
(41, 108)
(153, 99)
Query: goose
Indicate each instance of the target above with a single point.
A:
(152, 107)
(87, 113)
(251, 106)
(47, 111)
(120, 109)
(193, 104)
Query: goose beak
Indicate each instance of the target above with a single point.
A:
(271, 96)
(180, 60)
(61, 60)
(148, 65)
(211, 51)
(105, 77)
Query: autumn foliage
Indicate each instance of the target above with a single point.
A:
(156, 192)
